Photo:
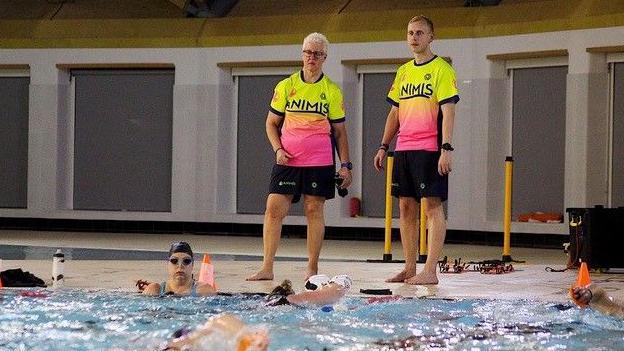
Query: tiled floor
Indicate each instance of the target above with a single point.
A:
(238, 257)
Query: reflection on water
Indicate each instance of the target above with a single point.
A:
(104, 320)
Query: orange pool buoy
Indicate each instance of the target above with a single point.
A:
(583, 280)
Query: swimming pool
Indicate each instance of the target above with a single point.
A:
(103, 320)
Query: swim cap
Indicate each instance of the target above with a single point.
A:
(181, 246)
(342, 280)
(316, 281)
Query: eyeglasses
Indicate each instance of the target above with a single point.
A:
(185, 261)
(317, 54)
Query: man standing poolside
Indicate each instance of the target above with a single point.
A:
(423, 98)
(306, 111)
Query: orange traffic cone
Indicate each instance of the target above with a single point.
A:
(583, 281)
(583, 276)
(206, 272)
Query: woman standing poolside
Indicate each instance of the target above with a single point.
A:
(180, 280)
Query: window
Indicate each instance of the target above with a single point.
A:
(255, 158)
(14, 91)
(375, 84)
(123, 139)
(617, 138)
(538, 138)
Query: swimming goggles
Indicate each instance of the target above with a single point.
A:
(185, 261)
(319, 280)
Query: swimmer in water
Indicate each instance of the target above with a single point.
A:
(180, 276)
(319, 291)
(224, 332)
(596, 297)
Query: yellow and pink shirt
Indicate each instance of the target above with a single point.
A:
(418, 91)
(308, 110)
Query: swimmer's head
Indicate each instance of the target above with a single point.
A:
(180, 265)
(253, 339)
(315, 282)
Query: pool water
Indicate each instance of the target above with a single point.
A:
(105, 320)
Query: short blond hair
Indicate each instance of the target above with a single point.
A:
(317, 38)
(422, 18)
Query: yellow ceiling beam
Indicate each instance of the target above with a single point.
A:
(362, 26)
(179, 3)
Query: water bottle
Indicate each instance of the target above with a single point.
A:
(58, 269)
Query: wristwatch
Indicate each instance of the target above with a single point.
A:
(347, 165)
(447, 147)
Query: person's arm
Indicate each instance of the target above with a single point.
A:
(598, 298)
(605, 303)
(448, 120)
(390, 130)
(342, 143)
(205, 289)
(152, 289)
(272, 126)
(327, 295)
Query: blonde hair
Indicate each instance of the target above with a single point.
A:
(422, 18)
(317, 38)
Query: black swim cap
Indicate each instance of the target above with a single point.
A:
(181, 246)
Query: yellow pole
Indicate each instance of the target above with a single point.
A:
(507, 218)
(422, 252)
(387, 256)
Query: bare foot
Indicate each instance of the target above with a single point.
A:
(261, 275)
(401, 277)
(423, 278)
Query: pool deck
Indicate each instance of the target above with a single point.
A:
(237, 257)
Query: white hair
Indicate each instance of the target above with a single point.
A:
(317, 38)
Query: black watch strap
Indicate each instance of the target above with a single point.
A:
(447, 147)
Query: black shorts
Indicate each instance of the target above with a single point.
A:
(415, 174)
(317, 181)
